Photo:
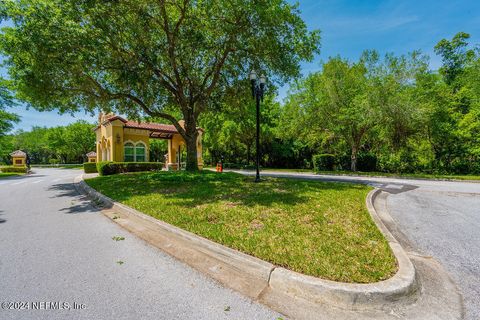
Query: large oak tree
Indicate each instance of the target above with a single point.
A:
(157, 58)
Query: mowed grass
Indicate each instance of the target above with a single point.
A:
(9, 174)
(321, 229)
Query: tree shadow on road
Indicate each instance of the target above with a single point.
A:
(2, 220)
(78, 203)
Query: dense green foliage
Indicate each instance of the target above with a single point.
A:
(170, 60)
(106, 168)
(317, 228)
(7, 119)
(388, 114)
(323, 162)
(12, 169)
(62, 144)
(163, 59)
(90, 167)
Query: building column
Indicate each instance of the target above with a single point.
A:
(172, 155)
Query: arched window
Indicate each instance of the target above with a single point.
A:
(135, 152)
(129, 152)
(140, 152)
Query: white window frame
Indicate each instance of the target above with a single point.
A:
(135, 150)
(145, 157)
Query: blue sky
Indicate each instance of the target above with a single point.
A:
(348, 28)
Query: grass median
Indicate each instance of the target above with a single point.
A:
(9, 174)
(321, 229)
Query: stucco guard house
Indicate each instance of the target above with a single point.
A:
(19, 158)
(92, 156)
(121, 140)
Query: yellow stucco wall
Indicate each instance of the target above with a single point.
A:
(112, 136)
(18, 161)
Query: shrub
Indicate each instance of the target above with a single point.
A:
(367, 162)
(227, 165)
(109, 168)
(14, 169)
(90, 167)
(399, 162)
(249, 167)
(323, 162)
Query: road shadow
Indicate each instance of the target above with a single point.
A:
(79, 204)
(390, 187)
(2, 220)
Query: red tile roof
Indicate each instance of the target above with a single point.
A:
(157, 127)
(18, 153)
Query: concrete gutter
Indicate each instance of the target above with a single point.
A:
(291, 293)
(239, 271)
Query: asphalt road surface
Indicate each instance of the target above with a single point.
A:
(56, 248)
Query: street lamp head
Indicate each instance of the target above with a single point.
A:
(263, 79)
(253, 75)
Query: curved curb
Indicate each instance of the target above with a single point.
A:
(239, 271)
(262, 280)
(349, 295)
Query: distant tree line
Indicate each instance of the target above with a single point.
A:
(390, 114)
(61, 144)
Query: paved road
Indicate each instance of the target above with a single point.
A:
(439, 219)
(55, 247)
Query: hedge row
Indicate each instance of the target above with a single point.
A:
(109, 168)
(328, 162)
(323, 162)
(90, 167)
(228, 165)
(13, 169)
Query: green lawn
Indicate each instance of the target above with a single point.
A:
(9, 174)
(317, 228)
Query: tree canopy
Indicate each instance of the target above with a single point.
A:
(7, 119)
(161, 59)
(60, 144)
(389, 113)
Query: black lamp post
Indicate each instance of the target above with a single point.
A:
(258, 89)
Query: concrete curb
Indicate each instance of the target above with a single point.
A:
(262, 280)
(349, 295)
(239, 271)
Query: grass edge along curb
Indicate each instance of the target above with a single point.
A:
(327, 227)
(279, 280)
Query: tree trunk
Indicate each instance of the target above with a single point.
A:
(192, 161)
(191, 142)
(353, 165)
